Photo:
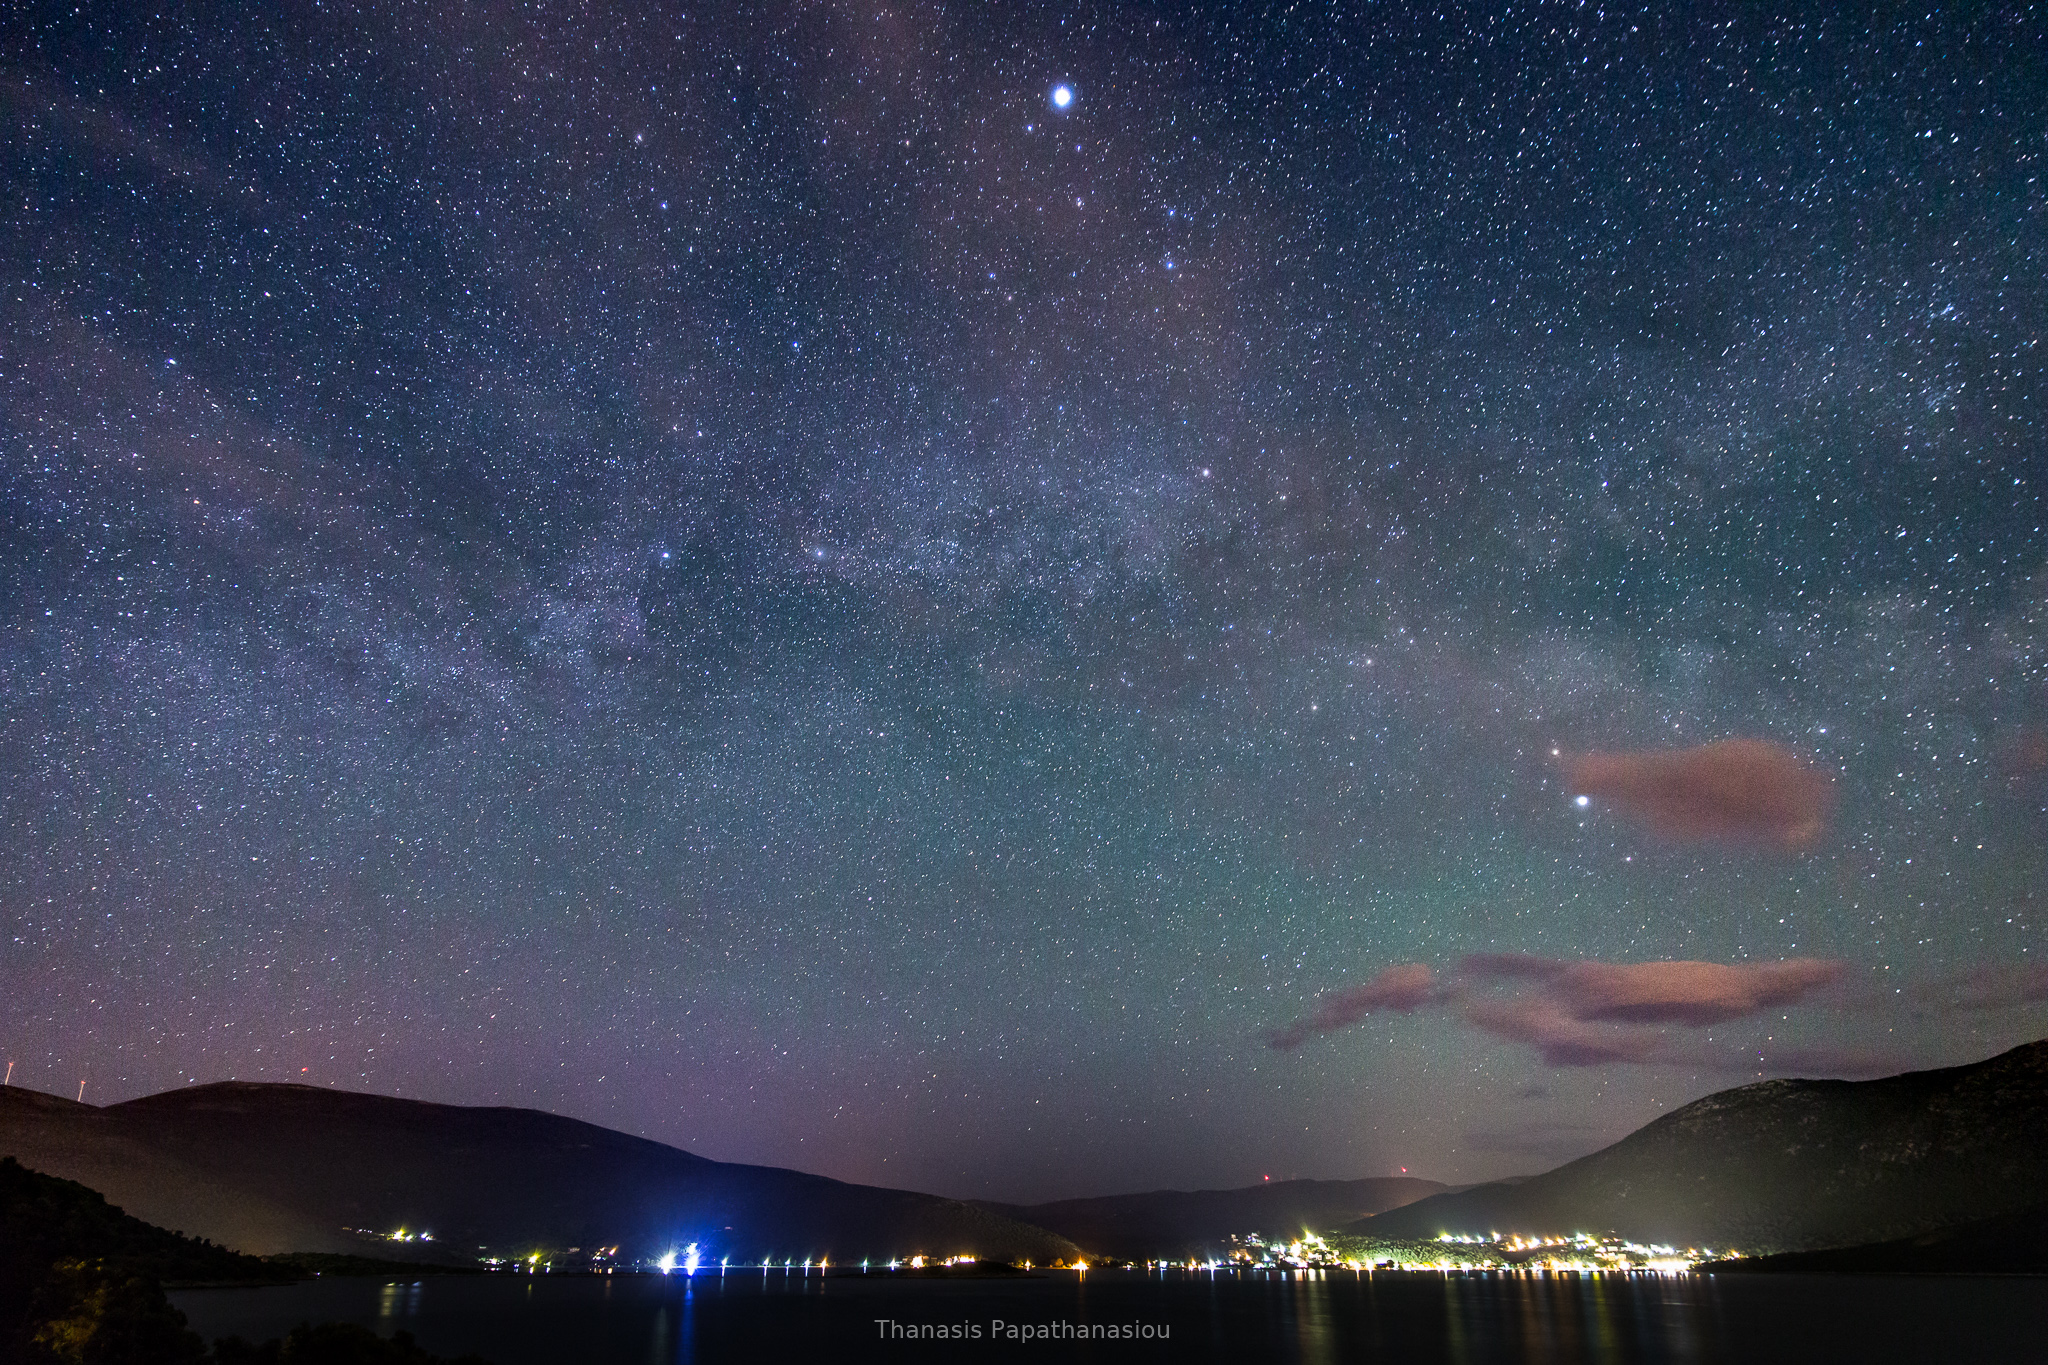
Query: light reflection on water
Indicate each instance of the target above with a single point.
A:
(1313, 1317)
(398, 1300)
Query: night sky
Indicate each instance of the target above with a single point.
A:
(752, 575)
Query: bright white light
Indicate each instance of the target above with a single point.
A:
(1062, 96)
(1582, 801)
(666, 1263)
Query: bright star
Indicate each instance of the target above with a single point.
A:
(1062, 96)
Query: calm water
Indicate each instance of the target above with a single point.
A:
(1335, 1316)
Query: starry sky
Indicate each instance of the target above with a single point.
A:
(748, 574)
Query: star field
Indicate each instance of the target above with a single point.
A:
(751, 575)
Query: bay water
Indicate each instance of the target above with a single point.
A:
(1307, 1316)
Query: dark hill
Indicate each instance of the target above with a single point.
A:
(69, 1257)
(1172, 1223)
(2010, 1244)
(274, 1168)
(1789, 1165)
(44, 1219)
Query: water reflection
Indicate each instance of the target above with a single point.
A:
(397, 1301)
(1319, 1340)
(660, 1337)
(1603, 1340)
(1311, 1317)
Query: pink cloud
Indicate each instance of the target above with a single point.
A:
(1544, 1024)
(1563, 1039)
(1588, 1013)
(1405, 988)
(1694, 994)
(1745, 791)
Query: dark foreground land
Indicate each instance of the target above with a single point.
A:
(1418, 1317)
(82, 1283)
(2007, 1245)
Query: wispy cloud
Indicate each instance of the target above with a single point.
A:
(1542, 1022)
(1694, 994)
(1737, 791)
(1403, 989)
(1589, 1013)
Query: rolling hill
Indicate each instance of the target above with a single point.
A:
(74, 1266)
(2009, 1244)
(1172, 1223)
(1788, 1165)
(267, 1168)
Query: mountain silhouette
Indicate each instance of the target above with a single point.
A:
(1788, 1165)
(268, 1168)
(2009, 1244)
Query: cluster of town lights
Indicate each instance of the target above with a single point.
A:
(687, 1261)
(1447, 1252)
(1576, 1252)
(1582, 1251)
(690, 1260)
